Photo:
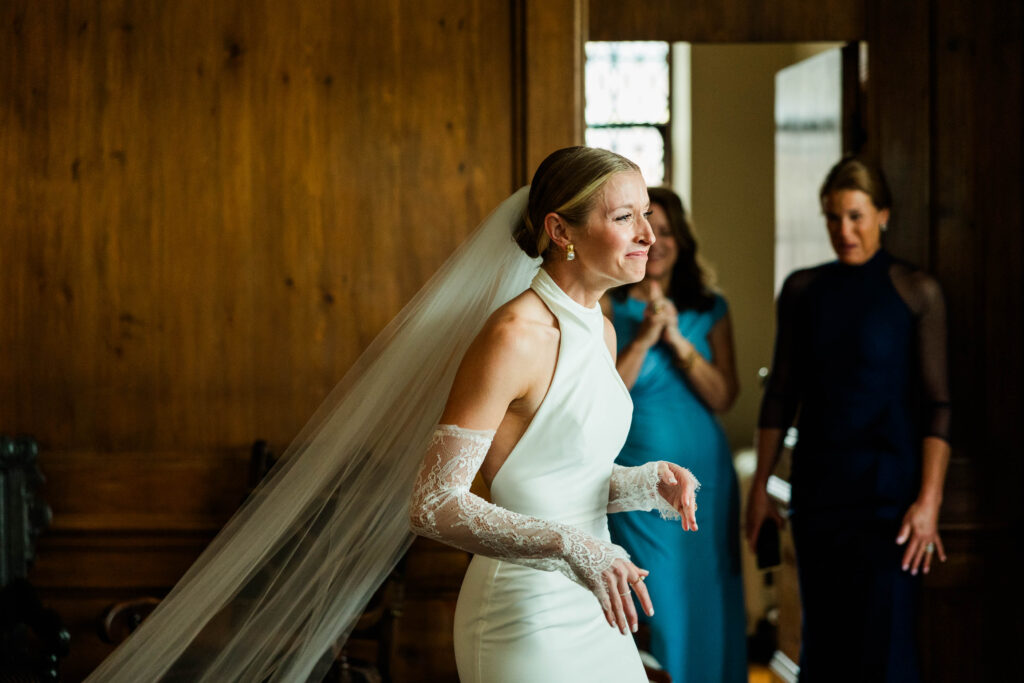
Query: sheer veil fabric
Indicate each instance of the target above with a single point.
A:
(284, 581)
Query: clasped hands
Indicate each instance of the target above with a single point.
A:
(660, 323)
(678, 487)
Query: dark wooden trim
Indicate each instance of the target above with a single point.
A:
(855, 99)
(899, 123)
(727, 21)
(520, 173)
(557, 33)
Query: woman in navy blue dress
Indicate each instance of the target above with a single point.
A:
(676, 356)
(860, 365)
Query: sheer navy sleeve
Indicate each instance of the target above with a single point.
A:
(782, 392)
(923, 297)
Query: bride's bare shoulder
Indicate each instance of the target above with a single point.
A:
(517, 344)
(526, 315)
(511, 358)
(526, 308)
(521, 329)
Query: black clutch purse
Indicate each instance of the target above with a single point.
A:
(768, 545)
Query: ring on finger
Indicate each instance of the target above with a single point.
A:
(624, 593)
(930, 548)
(636, 581)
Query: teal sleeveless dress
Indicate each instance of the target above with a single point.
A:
(698, 632)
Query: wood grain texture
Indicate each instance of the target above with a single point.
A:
(208, 210)
(728, 21)
(425, 647)
(972, 608)
(554, 55)
(214, 207)
(977, 243)
(899, 124)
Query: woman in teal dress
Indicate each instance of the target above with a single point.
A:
(676, 357)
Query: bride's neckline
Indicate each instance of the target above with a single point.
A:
(545, 283)
(564, 307)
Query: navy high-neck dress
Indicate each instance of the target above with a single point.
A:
(860, 363)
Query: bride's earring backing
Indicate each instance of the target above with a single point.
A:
(570, 252)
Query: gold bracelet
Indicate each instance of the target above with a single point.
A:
(686, 362)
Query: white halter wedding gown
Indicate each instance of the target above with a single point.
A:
(515, 623)
(270, 601)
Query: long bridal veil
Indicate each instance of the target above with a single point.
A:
(287, 577)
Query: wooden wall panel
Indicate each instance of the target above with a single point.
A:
(553, 71)
(978, 245)
(734, 21)
(977, 251)
(425, 647)
(899, 120)
(213, 207)
(208, 209)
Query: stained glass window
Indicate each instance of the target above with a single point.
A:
(645, 145)
(627, 103)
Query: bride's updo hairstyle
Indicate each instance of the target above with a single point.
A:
(567, 182)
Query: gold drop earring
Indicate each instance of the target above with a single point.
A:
(570, 252)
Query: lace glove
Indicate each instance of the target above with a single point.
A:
(443, 508)
(643, 488)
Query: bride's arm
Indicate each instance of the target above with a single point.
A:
(497, 370)
(444, 508)
(662, 486)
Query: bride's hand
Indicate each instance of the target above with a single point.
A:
(679, 487)
(619, 580)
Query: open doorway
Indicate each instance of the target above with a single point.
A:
(748, 133)
(714, 108)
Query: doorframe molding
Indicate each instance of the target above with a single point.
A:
(549, 39)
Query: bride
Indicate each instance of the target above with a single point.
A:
(525, 387)
(538, 408)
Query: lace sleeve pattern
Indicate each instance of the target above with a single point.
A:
(636, 488)
(443, 508)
